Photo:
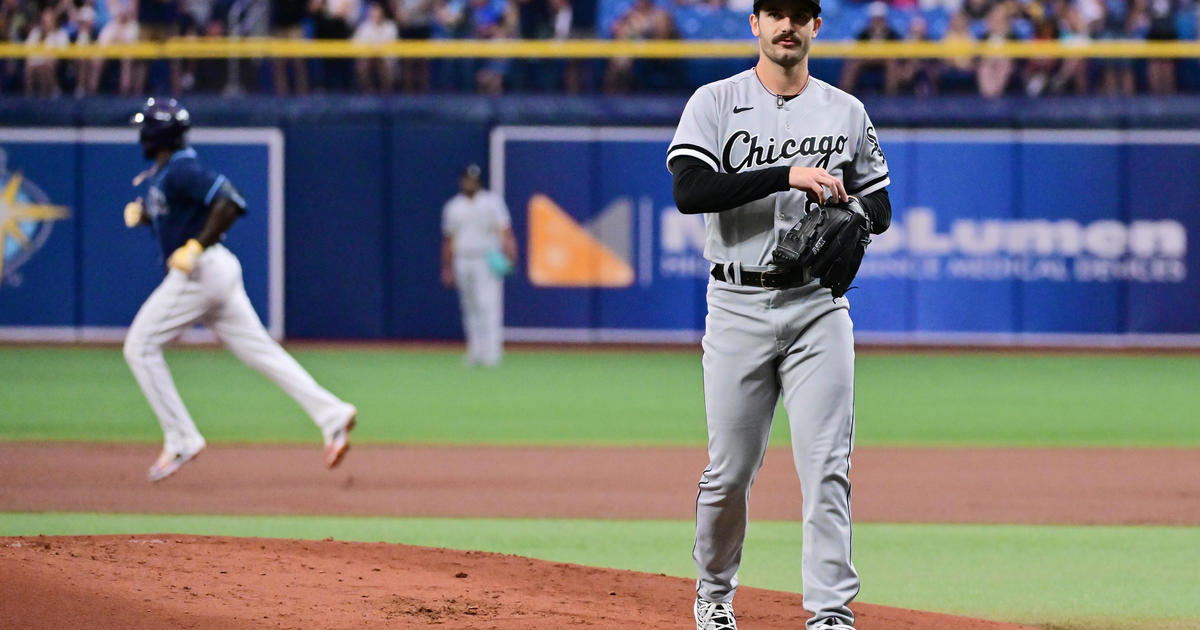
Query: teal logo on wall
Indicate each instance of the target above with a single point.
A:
(26, 219)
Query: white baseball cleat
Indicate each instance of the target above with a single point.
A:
(169, 462)
(832, 623)
(714, 615)
(338, 442)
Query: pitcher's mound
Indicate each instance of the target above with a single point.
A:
(176, 581)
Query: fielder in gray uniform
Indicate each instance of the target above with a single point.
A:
(478, 249)
(188, 208)
(753, 153)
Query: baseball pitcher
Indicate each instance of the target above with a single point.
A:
(789, 176)
(188, 208)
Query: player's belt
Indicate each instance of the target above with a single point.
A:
(770, 279)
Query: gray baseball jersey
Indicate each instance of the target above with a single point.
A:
(761, 345)
(736, 125)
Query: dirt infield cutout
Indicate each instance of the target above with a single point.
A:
(169, 581)
(174, 581)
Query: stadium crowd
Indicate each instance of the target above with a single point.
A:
(62, 23)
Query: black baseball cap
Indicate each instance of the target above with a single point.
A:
(815, 5)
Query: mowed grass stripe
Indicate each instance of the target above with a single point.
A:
(604, 397)
(1063, 577)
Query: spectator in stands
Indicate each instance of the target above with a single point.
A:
(880, 72)
(375, 74)
(544, 19)
(532, 22)
(16, 20)
(561, 19)
(87, 71)
(644, 20)
(287, 22)
(193, 14)
(995, 72)
(1038, 71)
(1117, 20)
(561, 22)
(533, 18)
(958, 73)
(41, 72)
(415, 20)
(212, 75)
(914, 76)
(1072, 73)
(335, 19)
(122, 28)
(977, 10)
(158, 21)
(244, 19)
(1160, 73)
(488, 20)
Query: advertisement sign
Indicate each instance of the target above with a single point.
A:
(998, 236)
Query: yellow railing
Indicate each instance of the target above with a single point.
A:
(603, 48)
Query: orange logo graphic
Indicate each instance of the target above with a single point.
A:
(563, 253)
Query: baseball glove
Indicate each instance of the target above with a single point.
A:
(830, 242)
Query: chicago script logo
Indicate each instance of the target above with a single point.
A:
(743, 150)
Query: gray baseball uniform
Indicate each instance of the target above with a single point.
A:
(475, 225)
(763, 343)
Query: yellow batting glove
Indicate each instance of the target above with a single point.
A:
(184, 258)
(134, 213)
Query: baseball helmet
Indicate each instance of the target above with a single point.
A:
(815, 5)
(162, 124)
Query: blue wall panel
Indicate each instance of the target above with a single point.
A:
(1078, 183)
(336, 178)
(962, 184)
(123, 265)
(1164, 182)
(426, 161)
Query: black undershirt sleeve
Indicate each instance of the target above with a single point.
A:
(700, 189)
(878, 206)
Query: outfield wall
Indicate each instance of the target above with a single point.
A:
(1008, 228)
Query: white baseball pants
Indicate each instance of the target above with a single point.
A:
(481, 298)
(214, 295)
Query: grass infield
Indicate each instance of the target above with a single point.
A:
(1093, 578)
(604, 397)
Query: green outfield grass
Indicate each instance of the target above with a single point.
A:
(1094, 578)
(604, 397)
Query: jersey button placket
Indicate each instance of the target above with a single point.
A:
(784, 129)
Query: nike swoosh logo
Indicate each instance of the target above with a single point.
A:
(738, 110)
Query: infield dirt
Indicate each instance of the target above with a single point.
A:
(167, 580)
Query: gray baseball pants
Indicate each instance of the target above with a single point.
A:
(759, 345)
(481, 298)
